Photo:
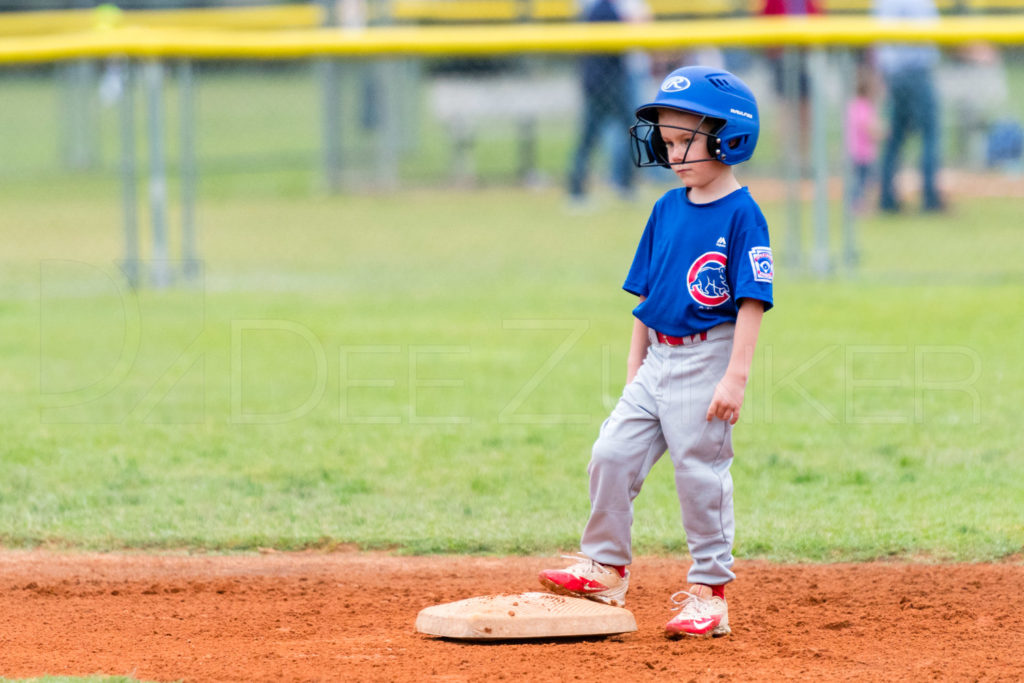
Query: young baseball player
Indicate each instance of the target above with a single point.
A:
(703, 275)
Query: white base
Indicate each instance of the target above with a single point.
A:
(524, 615)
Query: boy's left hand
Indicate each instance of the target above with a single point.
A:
(728, 399)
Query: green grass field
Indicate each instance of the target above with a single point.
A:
(426, 372)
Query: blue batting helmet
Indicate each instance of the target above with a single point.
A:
(714, 94)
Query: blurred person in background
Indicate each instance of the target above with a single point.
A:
(796, 105)
(981, 111)
(864, 130)
(609, 95)
(909, 75)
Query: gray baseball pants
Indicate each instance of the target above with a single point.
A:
(665, 406)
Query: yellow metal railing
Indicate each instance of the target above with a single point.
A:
(549, 10)
(562, 10)
(109, 16)
(140, 42)
(311, 15)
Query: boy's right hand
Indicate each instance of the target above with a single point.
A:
(728, 399)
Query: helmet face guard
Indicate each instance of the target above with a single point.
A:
(649, 148)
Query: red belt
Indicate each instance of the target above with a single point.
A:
(681, 341)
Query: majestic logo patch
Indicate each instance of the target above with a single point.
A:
(675, 84)
(720, 242)
(761, 261)
(706, 279)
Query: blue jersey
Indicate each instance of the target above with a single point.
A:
(695, 262)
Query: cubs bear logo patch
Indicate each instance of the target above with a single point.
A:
(761, 261)
(706, 279)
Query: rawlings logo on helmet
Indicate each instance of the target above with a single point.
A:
(675, 84)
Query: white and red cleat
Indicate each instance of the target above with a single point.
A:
(588, 579)
(699, 617)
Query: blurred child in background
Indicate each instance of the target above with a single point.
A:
(864, 130)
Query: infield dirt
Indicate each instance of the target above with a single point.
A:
(349, 616)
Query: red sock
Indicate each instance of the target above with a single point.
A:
(621, 569)
(718, 591)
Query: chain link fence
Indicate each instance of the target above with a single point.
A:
(211, 129)
(414, 122)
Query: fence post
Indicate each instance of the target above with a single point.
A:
(130, 264)
(189, 241)
(817, 67)
(331, 94)
(161, 268)
(792, 153)
(848, 78)
(390, 84)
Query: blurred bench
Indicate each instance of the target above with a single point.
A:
(468, 106)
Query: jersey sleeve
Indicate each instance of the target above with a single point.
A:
(752, 275)
(637, 281)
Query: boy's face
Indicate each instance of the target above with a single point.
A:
(686, 140)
